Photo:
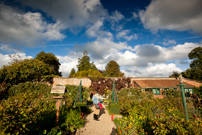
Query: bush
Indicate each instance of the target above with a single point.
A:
(114, 108)
(26, 70)
(3, 90)
(73, 120)
(171, 93)
(88, 73)
(38, 89)
(146, 115)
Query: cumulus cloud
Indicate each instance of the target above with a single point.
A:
(124, 34)
(68, 62)
(143, 55)
(71, 13)
(102, 47)
(157, 70)
(5, 59)
(142, 60)
(180, 15)
(26, 29)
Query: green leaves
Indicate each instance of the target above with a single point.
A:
(113, 70)
(26, 70)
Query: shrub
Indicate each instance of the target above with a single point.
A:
(171, 93)
(3, 90)
(73, 120)
(26, 70)
(114, 108)
(38, 89)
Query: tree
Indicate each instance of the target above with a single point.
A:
(89, 73)
(175, 74)
(25, 70)
(51, 61)
(195, 71)
(84, 63)
(113, 70)
(72, 72)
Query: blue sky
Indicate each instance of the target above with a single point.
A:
(148, 38)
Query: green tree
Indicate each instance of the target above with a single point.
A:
(51, 61)
(88, 73)
(72, 72)
(25, 70)
(196, 56)
(113, 70)
(195, 71)
(84, 63)
(175, 74)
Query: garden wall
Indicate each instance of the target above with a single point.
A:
(86, 82)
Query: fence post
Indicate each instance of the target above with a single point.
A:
(183, 96)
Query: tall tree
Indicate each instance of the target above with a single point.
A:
(84, 63)
(51, 61)
(113, 70)
(72, 72)
(195, 71)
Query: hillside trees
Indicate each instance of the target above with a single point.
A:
(113, 69)
(51, 61)
(195, 71)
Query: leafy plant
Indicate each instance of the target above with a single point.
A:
(114, 108)
(73, 120)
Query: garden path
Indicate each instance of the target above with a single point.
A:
(103, 127)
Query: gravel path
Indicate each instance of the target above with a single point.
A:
(103, 127)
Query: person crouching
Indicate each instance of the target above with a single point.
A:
(95, 103)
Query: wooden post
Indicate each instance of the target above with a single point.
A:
(58, 110)
(58, 90)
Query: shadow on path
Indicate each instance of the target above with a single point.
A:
(113, 132)
(102, 111)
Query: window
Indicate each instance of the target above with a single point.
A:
(156, 91)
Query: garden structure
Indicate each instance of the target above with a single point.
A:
(157, 86)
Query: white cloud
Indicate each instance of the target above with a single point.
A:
(28, 29)
(143, 60)
(95, 30)
(115, 19)
(169, 42)
(135, 15)
(102, 47)
(70, 13)
(157, 70)
(9, 48)
(5, 59)
(180, 15)
(124, 34)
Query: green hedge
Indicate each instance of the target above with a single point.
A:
(115, 108)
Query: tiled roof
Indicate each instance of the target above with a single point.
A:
(158, 83)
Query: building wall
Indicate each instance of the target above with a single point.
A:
(86, 82)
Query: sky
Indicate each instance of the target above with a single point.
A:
(147, 38)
